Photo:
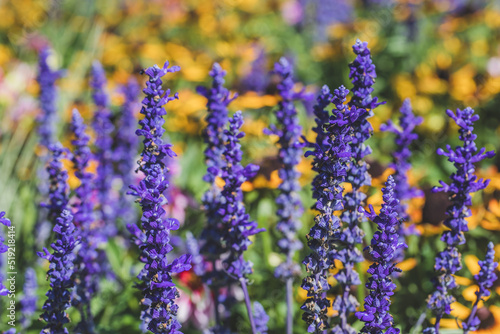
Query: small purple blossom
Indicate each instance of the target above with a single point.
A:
(485, 280)
(463, 184)
(405, 135)
(154, 236)
(383, 249)
(58, 185)
(103, 128)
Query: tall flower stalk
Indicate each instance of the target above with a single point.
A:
(88, 266)
(463, 184)
(218, 99)
(153, 237)
(485, 280)
(3, 249)
(405, 135)
(332, 156)
(103, 128)
(237, 226)
(61, 268)
(290, 207)
(125, 149)
(362, 75)
(383, 249)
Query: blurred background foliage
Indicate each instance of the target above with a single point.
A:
(443, 54)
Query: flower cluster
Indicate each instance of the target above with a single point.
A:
(463, 184)
(61, 269)
(218, 99)
(48, 96)
(383, 249)
(401, 165)
(3, 248)
(237, 227)
(332, 155)
(485, 280)
(289, 131)
(125, 150)
(154, 237)
(103, 128)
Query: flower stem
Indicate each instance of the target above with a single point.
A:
(289, 305)
(472, 313)
(248, 304)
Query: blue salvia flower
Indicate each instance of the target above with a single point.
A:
(332, 155)
(261, 318)
(158, 290)
(29, 299)
(48, 98)
(463, 184)
(125, 150)
(383, 249)
(485, 280)
(103, 128)
(329, 12)
(362, 74)
(3, 249)
(61, 268)
(88, 262)
(218, 99)
(289, 131)
(237, 227)
(290, 207)
(405, 135)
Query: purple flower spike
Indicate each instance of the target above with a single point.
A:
(3, 248)
(29, 299)
(383, 249)
(103, 128)
(332, 156)
(125, 151)
(159, 292)
(61, 269)
(401, 165)
(289, 131)
(290, 207)
(237, 227)
(48, 97)
(218, 99)
(463, 184)
(485, 279)
(89, 261)
(362, 74)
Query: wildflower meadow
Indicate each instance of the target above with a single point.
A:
(250, 166)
